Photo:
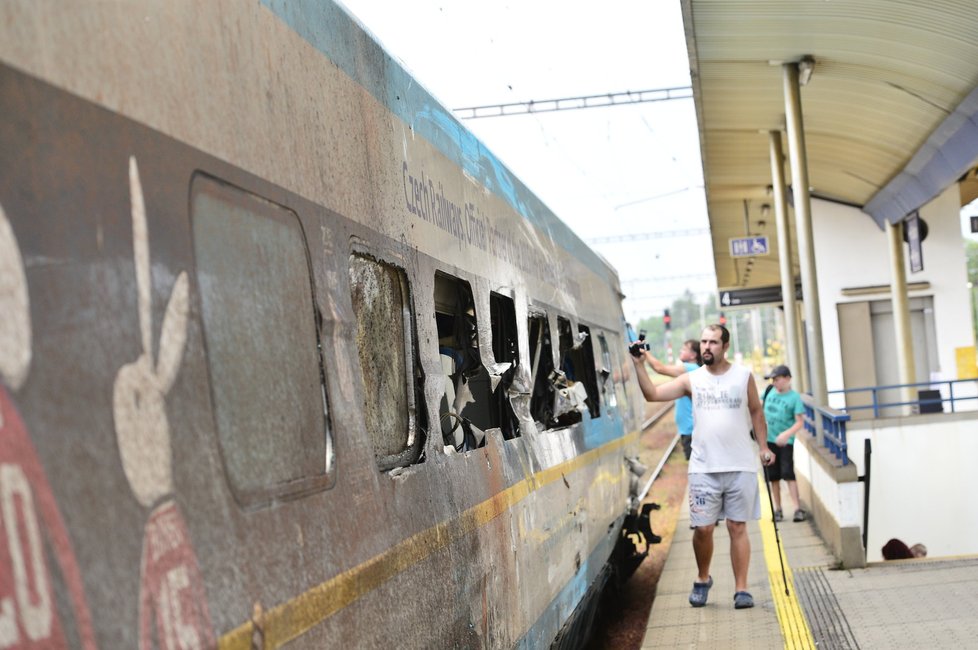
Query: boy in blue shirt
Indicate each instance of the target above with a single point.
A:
(689, 360)
(784, 414)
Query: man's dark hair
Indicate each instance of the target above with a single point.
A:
(724, 332)
(695, 347)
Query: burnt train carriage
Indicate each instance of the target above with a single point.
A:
(286, 354)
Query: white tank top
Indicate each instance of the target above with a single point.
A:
(721, 422)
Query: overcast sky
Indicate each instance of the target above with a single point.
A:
(625, 170)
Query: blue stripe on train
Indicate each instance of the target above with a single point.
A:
(602, 430)
(330, 30)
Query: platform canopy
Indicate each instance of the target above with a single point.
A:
(890, 111)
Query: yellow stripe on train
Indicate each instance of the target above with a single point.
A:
(295, 617)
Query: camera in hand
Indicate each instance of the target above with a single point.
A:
(638, 346)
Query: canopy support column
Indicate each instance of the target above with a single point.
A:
(785, 260)
(901, 313)
(806, 245)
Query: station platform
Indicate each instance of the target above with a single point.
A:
(921, 603)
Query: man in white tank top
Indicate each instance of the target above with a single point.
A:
(723, 465)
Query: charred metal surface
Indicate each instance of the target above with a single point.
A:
(383, 337)
(331, 512)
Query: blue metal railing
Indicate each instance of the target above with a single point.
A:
(829, 425)
(934, 402)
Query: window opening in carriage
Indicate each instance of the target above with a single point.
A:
(609, 375)
(582, 355)
(466, 409)
(623, 366)
(541, 370)
(389, 373)
(575, 383)
(506, 350)
(261, 331)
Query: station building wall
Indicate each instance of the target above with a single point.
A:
(911, 497)
(851, 251)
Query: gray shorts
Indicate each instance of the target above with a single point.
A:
(730, 495)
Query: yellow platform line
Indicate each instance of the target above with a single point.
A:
(794, 627)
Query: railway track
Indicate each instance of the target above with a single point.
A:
(623, 617)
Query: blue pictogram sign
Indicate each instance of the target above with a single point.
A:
(748, 246)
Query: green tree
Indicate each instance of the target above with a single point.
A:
(971, 255)
(689, 315)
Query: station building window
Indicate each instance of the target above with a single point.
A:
(384, 337)
(466, 409)
(505, 349)
(261, 332)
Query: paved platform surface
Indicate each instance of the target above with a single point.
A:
(926, 603)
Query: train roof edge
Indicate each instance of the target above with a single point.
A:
(330, 27)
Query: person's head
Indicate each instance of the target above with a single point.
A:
(895, 549)
(690, 352)
(781, 378)
(714, 342)
(918, 550)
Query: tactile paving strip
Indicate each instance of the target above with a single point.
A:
(794, 628)
(826, 620)
(912, 604)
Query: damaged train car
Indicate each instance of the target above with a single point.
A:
(287, 357)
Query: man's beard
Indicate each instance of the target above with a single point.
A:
(708, 360)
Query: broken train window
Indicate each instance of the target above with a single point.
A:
(466, 409)
(625, 365)
(506, 350)
(575, 381)
(582, 355)
(607, 374)
(261, 330)
(541, 369)
(384, 336)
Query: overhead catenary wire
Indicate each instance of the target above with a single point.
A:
(575, 103)
(667, 278)
(663, 234)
